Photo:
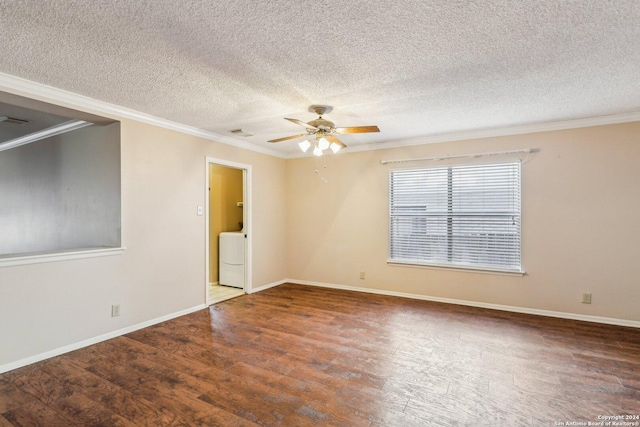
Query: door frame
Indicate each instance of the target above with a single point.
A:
(247, 220)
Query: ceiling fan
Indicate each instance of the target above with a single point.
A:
(324, 131)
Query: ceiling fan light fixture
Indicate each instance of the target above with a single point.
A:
(321, 133)
(304, 145)
(323, 144)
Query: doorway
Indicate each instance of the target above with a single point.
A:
(228, 226)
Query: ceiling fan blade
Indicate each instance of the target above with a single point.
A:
(358, 129)
(288, 137)
(336, 140)
(301, 123)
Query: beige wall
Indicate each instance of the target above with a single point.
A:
(580, 232)
(47, 306)
(225, 191)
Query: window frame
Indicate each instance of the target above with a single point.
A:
(456, 266)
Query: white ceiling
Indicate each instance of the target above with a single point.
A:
(414, 68)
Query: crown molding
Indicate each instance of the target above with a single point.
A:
(502, 131)
(491, 133)
(28, 88)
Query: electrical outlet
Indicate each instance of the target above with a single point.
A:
(115, 310)
(200, 210)
(362, 275)
(586, 298)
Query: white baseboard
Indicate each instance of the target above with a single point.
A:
(525, 310)
(563, 315)
(268, 285)
(75, 346)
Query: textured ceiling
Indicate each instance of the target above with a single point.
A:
(414, 68)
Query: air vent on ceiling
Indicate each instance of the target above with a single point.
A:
(6, 119)
(240, 132)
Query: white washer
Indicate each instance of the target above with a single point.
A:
(232, 259)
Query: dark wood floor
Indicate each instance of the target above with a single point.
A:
(296, 356)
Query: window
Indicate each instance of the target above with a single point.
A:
(457, 216)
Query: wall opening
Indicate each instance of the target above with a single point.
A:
(58, 193)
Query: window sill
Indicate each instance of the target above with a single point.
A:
(395, 263)
(37, 258)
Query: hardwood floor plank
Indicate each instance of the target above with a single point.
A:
(81, 408)
(12, 397)
(79, 380)
(628, 345)
(627, 373)
(329, 399)
(538, 405)
(630, 401)
(331, 374)
(122, 376)
(607, 399)
(629, 380)
(181, 403)
(223, 418)
(414, 391)
(38, 414)
(253, 399)
(44, 387)
(354, 343)
(394, 418)
(307, 356)
(268, 406)
(170, 360)
(140, 411)
(613, 353)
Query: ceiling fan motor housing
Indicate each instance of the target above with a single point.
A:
(321, 129)
(322, 124)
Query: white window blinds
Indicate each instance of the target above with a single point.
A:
(457, 216)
